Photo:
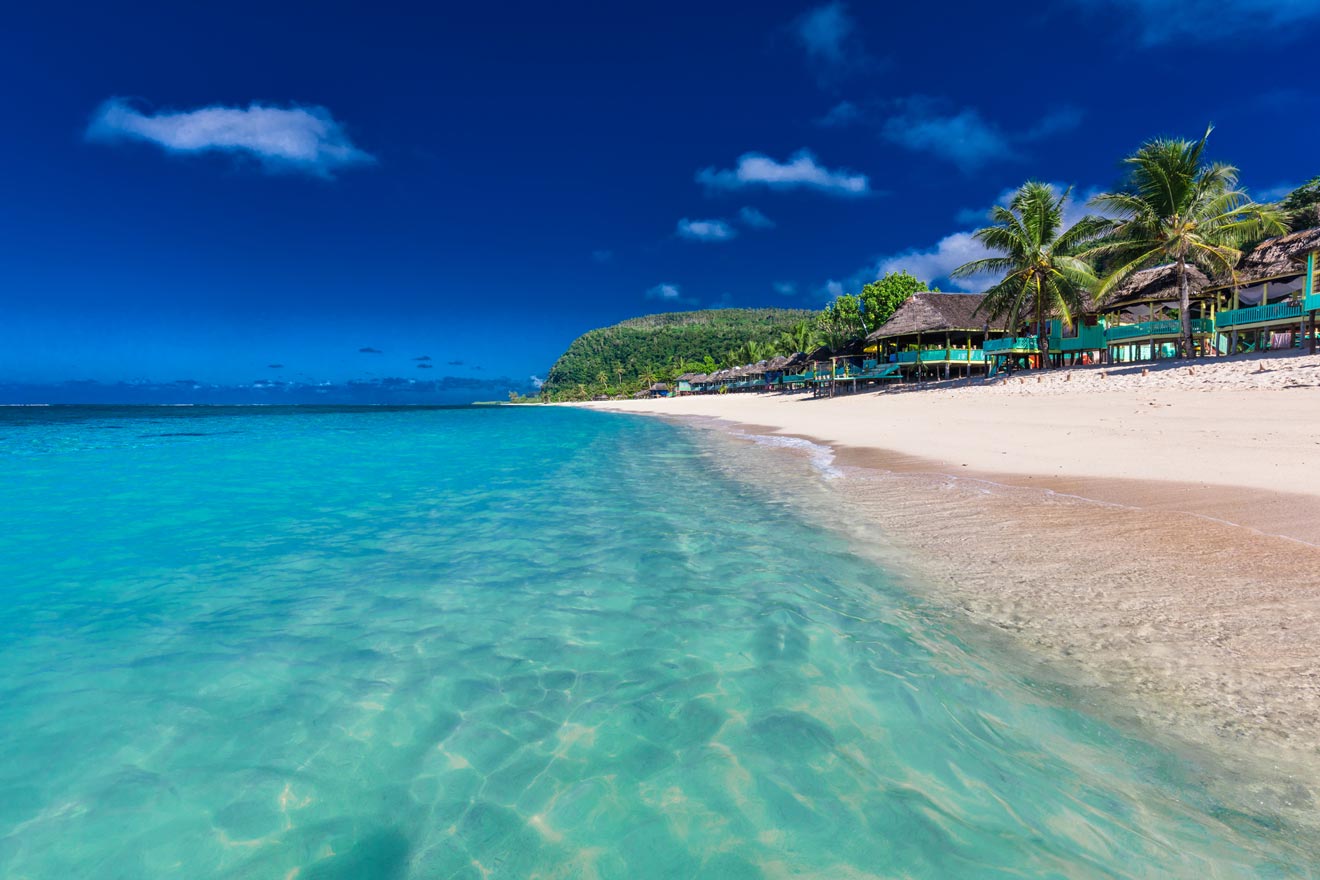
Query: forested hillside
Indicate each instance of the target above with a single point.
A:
(642, 350)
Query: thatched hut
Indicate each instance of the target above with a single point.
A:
(1272, 271)
(935, 332)
(1271, 293)
(1156, 286)
(1143, 314)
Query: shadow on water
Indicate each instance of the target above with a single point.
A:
(381, 855)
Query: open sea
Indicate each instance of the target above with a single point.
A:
(528, 642)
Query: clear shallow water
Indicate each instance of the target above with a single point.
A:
(513, 643)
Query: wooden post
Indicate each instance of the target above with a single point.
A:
(1308, 293)
(1151, 314)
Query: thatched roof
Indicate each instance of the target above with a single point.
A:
(1274, 257)
(1157, 283)
(659, 386)
(934, 312)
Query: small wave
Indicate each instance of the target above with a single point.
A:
(186, 434)
(820, 456)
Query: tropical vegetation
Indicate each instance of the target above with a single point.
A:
(1038, 258)
(631, 356)
(1178, 210)
(1171, 208)
(636, 353)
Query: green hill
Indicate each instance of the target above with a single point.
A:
(658, 345)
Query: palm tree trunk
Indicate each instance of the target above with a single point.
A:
(1185, 307)
(1040, 321)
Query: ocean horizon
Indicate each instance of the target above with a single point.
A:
(473, 641)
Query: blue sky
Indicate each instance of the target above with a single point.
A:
(329, 193)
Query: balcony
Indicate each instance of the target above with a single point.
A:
(1012, 345)
(1277, 313)
(940, 356)
(1156, 330)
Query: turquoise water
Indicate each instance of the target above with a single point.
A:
(514, 643)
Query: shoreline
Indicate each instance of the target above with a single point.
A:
(1232, 441)
(1191, 608)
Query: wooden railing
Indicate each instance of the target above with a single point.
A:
(940, 356)
(1011, 343)
(1258, 315)
(1150, 329)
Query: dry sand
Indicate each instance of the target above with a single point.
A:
(1157, 534)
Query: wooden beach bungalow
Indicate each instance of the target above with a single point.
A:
(1270, 300)
(1079, 345)
(834, 371)
(940, 335)
(1141, 315)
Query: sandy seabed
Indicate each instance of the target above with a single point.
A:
(1155, 535)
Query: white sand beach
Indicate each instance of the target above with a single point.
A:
(1236, 439)
(1156, 533)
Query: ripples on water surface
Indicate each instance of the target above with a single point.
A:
(513, 643)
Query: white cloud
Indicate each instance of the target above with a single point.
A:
(841, 115)
(1057, 121)
(306, 139)
(705, 230)
(964, 137)
(1206, 21)
(669, 293)
(828, 35)
(537, 382)
(933, 263)
(754, 219)
(800, 171)
(785, 288)
(1074, 208)
(1275, 193)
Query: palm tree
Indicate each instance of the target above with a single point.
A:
(1039, 261)
(1173, 209)
(802, 337)
(757, 351)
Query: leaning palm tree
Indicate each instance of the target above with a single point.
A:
(1173, 209)
(1038, 259)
